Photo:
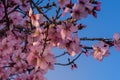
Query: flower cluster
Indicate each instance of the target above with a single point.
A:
(117, 41)
(81, 9)
(101, 50)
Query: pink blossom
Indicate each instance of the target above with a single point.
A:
(67, 29)
(98, 7)
(83, 1)
(101, 50)
(18, 56)
(24, 5)
(16, 18)
(20, 67)
(65, 11)
(117, 41)
(23, 76)
(4, 74)
(39, 76)
(78, 11)
(89, 6)
(36, 75)
(4, 59)
(38, 32)
(62, 3)
(43, 62)
(16, 1)
(73, 46)
(82, 9)
(55, 40)
(32, 57)
(7, 46)
(34, 18)
(33, 75)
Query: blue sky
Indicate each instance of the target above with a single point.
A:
(107, 23)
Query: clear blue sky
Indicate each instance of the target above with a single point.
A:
(107, 23)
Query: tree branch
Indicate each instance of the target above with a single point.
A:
(93, 39)
(6, 28)
(61, 55)
(69, 63)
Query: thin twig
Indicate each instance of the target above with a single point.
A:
(69, 63)
(6, 28)
(61, 55)
(45, 42)
(93, 39)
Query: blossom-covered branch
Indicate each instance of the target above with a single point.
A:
(31, 29)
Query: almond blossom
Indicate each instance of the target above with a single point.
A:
(78, 11)
(32, 76)
(98, 7)
(101, 50)
(34, 18)
(73, 47)
(117, 41)
(55, 40)
(7, 46)
(16, 18)
(44, 62)
(65, 11)
(24, 5)
(36, 75)
(3, 74)
(82, 9)
(67, 29)
(63, 2)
